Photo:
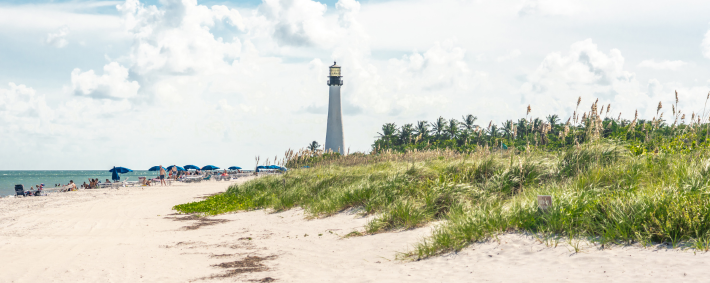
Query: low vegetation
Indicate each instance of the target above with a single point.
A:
(601, 192)
(611, 183)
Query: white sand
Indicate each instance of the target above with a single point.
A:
(124, 236)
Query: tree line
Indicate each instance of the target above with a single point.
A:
(679, 132)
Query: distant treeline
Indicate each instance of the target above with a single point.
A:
(677, 133)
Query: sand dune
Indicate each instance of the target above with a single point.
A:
(129, 235)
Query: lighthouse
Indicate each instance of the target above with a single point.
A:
(334, 135)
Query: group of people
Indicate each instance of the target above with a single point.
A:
(174, 174)
(93, 183)
(38, 189)
(37, 192)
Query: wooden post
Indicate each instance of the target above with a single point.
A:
(543, 202)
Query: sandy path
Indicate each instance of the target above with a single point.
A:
(127, 235)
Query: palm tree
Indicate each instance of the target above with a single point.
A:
(439, 126)
(405, 133)
(422, 129)
(537, 123)
(453, 129)
(553, 120)
(468, 121)
(493, 131)
(507, 129)
(389, 130)
(313, 146)
(522, 126)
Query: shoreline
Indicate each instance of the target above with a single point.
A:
(133, 235)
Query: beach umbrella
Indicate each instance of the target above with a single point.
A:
(116, 170)
(188, 167)
(120, 170)
(178, 168)
(234, 168)
(154, 168)
(275, 167)
(210, 167)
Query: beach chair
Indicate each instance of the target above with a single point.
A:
(20, 190)
(127, 183)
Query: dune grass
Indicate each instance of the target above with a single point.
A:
(600, 192)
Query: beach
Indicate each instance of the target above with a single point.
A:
(132, 235)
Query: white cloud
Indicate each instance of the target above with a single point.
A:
(176, 39)
(298, 22)
(511, 55)
(58, 38)
(662, 65)
(113, 83)
(549, 7)
(706, 45)
(248, 76)
(22, 110)
(584, 71)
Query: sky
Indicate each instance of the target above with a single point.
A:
(95, 84)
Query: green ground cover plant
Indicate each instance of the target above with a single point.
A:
(601, 192)
(612, 181)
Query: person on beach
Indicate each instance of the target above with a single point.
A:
(71, 186)
(108, 182)
(174, 171)
(162, 176)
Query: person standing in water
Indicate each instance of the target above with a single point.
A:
(162, 176)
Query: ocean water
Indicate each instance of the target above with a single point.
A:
(8, 179)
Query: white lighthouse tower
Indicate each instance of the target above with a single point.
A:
(334, 135)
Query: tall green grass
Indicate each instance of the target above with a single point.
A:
(600, 192)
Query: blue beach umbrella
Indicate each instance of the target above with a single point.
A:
(178, 168)
(116, 170)
(188, 167)
(210, 167)
(120, 170)
(154, 168)
(276, 167)
(234, 168)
